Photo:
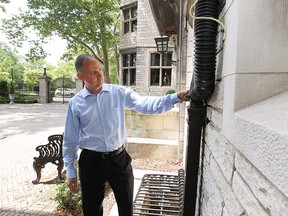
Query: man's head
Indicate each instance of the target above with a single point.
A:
(89, 70)
(79, 61)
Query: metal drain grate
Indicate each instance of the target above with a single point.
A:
(160, 195)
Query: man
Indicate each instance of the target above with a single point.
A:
(95, 123)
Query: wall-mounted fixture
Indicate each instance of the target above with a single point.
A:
(162, 43)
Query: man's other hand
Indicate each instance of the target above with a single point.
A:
(73, 186)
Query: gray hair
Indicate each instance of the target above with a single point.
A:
(79, 61)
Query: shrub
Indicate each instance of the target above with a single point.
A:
(4, 88)
(4, 100)
(21, 98)
(12, 88)
(24, 99)
(68, 202)
(170, 91)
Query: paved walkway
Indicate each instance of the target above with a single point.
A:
(22, 128)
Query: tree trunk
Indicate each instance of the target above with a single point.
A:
(106, 63)
(116, 57)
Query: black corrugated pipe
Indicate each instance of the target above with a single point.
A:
(205, 33)
(202, 88)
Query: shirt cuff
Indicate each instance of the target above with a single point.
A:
(71, 173)
(175, 99)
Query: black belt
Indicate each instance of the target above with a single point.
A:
(105, 155)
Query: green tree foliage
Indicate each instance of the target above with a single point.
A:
(7, 60)
(10, 66)
(31, 78)
(64, 68)
(92, 25)
(2, 7)
(64, 72)
(28, 72)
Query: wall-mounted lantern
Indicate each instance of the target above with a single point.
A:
(162, 43)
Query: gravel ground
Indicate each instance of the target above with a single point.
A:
(137, 163)
(157, 164)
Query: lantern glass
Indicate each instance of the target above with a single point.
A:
(162, 43)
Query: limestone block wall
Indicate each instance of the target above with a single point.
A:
(160, 126)
(244, 170)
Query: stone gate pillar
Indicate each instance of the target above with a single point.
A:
(44, 89)
(79, 85)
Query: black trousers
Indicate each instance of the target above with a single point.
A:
(95, 171)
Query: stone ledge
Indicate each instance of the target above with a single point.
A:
(151, 141)
(260, 133)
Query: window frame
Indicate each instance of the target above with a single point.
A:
(131, 20)
(130, 67)
(161, 68)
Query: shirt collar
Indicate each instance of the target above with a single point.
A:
(105, 88)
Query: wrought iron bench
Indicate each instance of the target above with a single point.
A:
(49, 153)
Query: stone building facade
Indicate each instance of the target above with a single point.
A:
(246, 142)
(141, 67)
(137, 44)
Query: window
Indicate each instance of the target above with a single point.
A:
(129, 69)
(161, 69)
(130, 20)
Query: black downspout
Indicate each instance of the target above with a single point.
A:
(201, 88)
(197, 115)
(205, 34)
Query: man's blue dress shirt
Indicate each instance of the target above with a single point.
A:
(97, 122)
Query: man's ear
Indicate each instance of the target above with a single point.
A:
(80, 75)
